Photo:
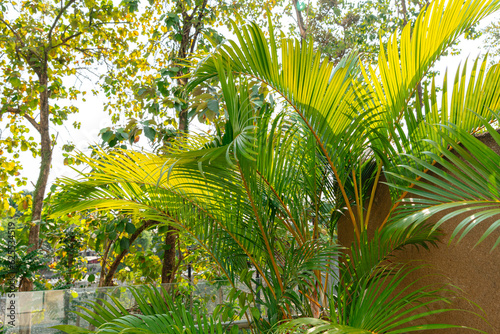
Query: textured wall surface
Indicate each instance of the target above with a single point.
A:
(475, 271)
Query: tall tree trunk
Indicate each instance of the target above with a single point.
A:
(404, 11)
(43, 176)
(187, 46)
(183, 114)
(300, 21)
(168, 267)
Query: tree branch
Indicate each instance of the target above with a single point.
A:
(13, 31)
(65, 39)
(112, 269)
(104, 261)
(197, 27)
(30, 119)
(51, 30)
(87, 52)
(190, 17)
(182, 11)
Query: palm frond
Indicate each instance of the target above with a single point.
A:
(404, 61)
(317, 326)
(464, 181)
(383, 302)
(388, 301)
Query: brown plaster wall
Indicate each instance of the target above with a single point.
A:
(473, 270)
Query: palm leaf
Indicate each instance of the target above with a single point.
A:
(404, 62)
(464, 181)
(385, 302)
(471, 96)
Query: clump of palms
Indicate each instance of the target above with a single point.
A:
(262, 193)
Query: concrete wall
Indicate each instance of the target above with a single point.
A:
(473, 270)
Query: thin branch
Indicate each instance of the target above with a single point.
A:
(30, 119)
(119, 257)
(372, 197)
(182, 11)
(13, 31)
(65, 39)
(197, 26)
(359, 204)
(95, 24)
(190, 17)
(51, 30)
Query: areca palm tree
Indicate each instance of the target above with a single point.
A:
(258, 195)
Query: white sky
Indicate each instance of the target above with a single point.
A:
(93, 117)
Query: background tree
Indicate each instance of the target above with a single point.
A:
(117, 245)
(66, 239)
(42, 43)
(148, 83)
(340, 27)
(492, 45)
(147, 86)
(110, 234)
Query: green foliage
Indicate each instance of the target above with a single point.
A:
(140, 266)
(43, 43)
(262, 193)
(147, 86)
(492, 45)
(70, 265)
(17, 262)
(339, 27)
